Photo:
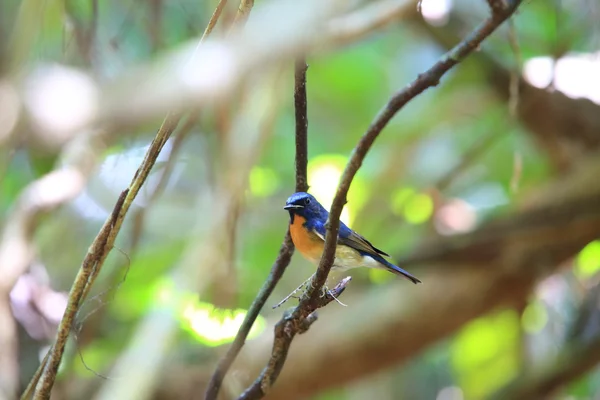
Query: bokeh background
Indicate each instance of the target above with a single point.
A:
(504, 132)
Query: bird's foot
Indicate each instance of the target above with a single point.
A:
(306, 283)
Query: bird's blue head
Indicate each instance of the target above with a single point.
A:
(305, 206)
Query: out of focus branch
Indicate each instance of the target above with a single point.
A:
(149, 346)
(97, 253)
(287, 247)
(243, 12)
(430, 78)
(578, 355)
(101, 246)
(349, 28)
(573, 361)
(17, 249)
(548, 115)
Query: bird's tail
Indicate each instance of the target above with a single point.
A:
(399, 271)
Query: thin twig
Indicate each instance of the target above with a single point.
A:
(176, 145)
(103, 244)
(430, 78)
(301, 112)
(287, 247)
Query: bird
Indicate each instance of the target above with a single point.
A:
(307, 229)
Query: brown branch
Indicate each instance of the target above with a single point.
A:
(428, 79)
(287, 247)
(102, 245)
(301, 112)
(95, 257)
(548, 115)
(285, 330)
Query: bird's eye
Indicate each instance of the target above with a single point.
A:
(307, 201)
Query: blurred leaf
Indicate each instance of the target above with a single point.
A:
(485, 353)
(588, 260)
(535, 317)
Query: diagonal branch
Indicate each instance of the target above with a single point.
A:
(287, 247)
(357, 24)
(101, 247)
(430, 78)
(94, 259)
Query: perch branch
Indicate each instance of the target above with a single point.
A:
(285, 330)
(428, 79)
(287, 247)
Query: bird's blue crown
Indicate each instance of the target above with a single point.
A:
(306, 206)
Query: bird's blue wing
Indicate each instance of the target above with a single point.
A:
(348, 237)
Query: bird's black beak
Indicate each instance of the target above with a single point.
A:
(292, 206)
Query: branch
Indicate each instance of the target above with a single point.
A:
(351, 27)
(552, 130)
(101, 246)
(287, 247)
(428, 79)
(301, 112)
(285, 330)
(96, 255)
(243, 13)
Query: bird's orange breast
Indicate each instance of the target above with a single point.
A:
(307, 243)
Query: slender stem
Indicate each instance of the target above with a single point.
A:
(287, 247)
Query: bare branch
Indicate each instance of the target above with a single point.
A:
(301, 111)
(287, 247)
(428, 79)
(103, 244)
(285, 330)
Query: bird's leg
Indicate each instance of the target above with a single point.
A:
(286, 298)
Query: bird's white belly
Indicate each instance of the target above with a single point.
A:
(348, 258)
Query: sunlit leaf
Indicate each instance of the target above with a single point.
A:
(485, 353)
(588, 260)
